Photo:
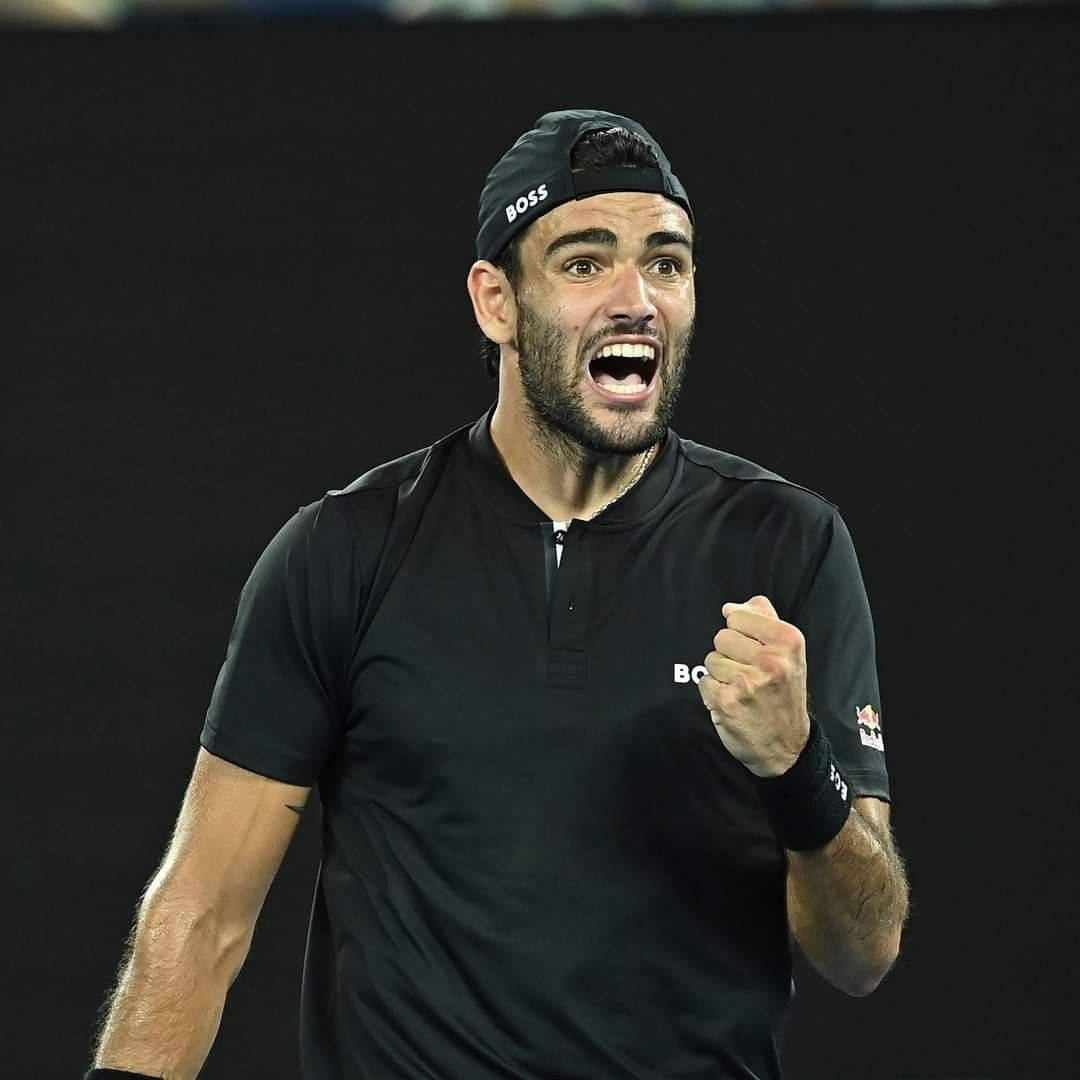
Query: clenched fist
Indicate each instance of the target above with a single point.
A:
(755, 690)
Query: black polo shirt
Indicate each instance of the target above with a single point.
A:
(538, 859)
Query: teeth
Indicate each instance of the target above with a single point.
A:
(616, 388)
(623, 349)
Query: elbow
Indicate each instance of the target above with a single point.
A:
(190, 930)
(234, 951)
(870, 976)
(866, 985)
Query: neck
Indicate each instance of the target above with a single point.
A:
(562, 478)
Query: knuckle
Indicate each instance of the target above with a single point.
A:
(772, 665)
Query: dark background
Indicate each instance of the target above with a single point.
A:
(235, 263)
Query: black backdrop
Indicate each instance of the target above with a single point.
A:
(235, 267)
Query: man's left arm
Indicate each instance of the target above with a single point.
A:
(847, 902)
(847, 898)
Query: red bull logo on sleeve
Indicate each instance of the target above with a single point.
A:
(870, 728)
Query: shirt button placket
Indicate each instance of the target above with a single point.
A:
(580, 544)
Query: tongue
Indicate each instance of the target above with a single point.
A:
(633, 379)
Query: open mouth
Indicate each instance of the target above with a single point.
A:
(624, 369)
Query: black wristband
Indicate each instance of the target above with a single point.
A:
(117, 1074)
(808, 805)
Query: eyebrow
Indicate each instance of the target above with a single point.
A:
(608, 239)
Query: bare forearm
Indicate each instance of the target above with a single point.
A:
(165, 1012)
(847, 904)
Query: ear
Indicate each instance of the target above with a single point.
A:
(492, 301)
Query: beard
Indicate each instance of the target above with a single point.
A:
(555, 401)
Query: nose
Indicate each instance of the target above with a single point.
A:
(630, 297)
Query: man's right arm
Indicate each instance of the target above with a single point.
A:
(196, 919)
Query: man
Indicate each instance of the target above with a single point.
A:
(553, 677)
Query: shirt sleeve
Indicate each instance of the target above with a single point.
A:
(842, 679)
(277, 705)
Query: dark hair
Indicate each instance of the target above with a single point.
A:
(613, 147)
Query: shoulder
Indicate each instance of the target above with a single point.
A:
(398, 488)
(402, 472)
(356, 516)
(342, 517)
(754, 487)
(390, 474)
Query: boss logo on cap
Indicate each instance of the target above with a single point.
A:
(523, 202)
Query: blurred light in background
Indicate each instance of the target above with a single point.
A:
(106, 14)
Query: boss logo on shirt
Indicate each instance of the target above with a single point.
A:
(684, 673)
(523, 202)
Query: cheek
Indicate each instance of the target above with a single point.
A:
(679, 313)
(571, 325)
(569, 318)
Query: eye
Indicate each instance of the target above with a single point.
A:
(675, 264)
(579, 262)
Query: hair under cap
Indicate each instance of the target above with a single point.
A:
(534, 176)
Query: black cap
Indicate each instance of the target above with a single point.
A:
(534, 176)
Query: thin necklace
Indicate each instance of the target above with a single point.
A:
(630, 483)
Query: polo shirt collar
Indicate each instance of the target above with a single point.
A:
(494, 482)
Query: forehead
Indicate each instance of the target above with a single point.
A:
(630, 215)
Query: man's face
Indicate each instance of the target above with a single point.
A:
(628, 274)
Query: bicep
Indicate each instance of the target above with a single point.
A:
(231, 834)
